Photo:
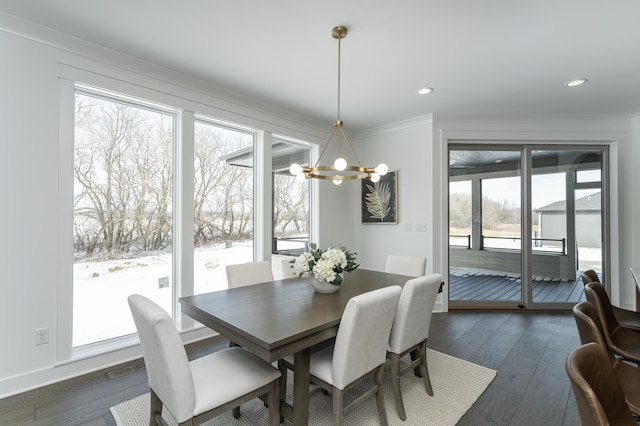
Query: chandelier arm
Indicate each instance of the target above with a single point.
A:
(353, 151)
(326, 145)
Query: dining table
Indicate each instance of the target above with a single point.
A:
(283, 317)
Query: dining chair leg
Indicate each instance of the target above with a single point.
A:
(236, 412)
(395, 384)
(424, 368)
(415, 354)
(382, 412)
(338, 407)
(156, 408)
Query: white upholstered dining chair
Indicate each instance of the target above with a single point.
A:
(359, 351)
(412, 266)
(244, 274)
(250, 273)
(196, 391)
(410, 332)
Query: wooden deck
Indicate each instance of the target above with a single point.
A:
(483, 285)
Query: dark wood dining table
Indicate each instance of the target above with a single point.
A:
(283, 317)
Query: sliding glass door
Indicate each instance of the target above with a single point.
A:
(566, 222)
(485, 249)
(524, 222)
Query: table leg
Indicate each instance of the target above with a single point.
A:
(301, 387)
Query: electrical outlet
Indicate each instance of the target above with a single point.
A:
(42, 336)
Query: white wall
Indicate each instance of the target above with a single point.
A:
(407, 149)
(28, 178)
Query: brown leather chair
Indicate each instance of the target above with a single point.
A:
(625, 317)
(622, 341)
(596, 388)
(591, 331)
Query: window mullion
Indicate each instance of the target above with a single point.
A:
(183, 254)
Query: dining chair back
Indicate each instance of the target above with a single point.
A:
(287, 270)
(359, 351)
(622, 341)
(361, 342)
(411, 266)
(591, 331)
(243, 274)
(600, 399)
(589, 327)
(626, 318)
(198, 390)
(589, 276)
(410, 331)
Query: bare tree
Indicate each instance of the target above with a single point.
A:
(291, 206)
(223, 198)
(122, 173)
(123, 182)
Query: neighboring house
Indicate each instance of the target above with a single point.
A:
(553, 221)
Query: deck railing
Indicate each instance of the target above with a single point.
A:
(295, 246)
(538, 243)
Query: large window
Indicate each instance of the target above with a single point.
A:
(139, 227)
(122, 212)
(501, 213)
(223, 204)
(291, 215)
(460, 212)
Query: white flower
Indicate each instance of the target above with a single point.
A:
(323, 270)
(335, 256)
(301, 265)
(325, 265)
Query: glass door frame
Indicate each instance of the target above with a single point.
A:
(526, 165)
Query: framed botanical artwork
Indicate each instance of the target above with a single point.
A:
(380, 200)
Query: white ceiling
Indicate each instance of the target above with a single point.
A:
(491, 56)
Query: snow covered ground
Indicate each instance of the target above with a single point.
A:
(101, 288)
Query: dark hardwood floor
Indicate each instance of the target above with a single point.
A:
(469, 284)
(527, 349)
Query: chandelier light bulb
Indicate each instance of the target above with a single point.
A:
(340, 164)
(382, 169)
(300, 177)
(375, 177)
(295, 169)
(337, 182)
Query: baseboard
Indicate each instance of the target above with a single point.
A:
(35, 379)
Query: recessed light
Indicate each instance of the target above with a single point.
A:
(425, 90)
(498, 161)
(579, 82)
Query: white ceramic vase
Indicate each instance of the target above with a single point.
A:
(323, 286)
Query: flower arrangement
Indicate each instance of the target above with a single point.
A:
(325, 265)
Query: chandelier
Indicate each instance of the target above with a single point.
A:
(340, 170)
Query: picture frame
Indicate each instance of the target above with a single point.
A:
(379, 200)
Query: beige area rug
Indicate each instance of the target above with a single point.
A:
(457, 384)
